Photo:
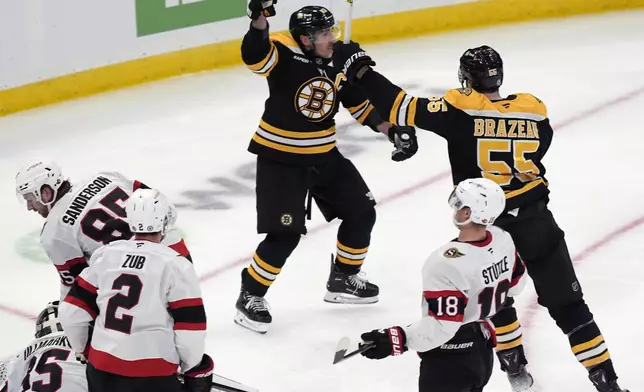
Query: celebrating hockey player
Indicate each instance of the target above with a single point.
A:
(49, 363)
(465, 282)
(146, 303)
(503, 139)
(297, 156)
(80, 217)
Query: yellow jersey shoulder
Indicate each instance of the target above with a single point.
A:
(475, 103)
(286, 40)
(530, 104)
(465, 98)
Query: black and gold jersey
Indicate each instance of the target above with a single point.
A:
(298, 125)
(503, 140)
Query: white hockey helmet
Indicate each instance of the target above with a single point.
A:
(147, 212)
(47, 321)
(484, 197)
(33, 176)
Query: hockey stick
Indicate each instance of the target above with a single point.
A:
(347, 24)
(224, 384)
(343, 347)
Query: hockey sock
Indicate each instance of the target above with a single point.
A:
(354, 236)
(586, 340)
(267, 263)
(590, 349)
(508, 335)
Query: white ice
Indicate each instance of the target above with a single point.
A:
(178, 133)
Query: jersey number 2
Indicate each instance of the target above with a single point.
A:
(124, 323)
(45, 366)
(95, 215)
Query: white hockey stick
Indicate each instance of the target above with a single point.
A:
(343, 347)
(224, 384)
(347, 23)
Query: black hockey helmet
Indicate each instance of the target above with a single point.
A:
(47, 321)
(309, 20)
(482, 69)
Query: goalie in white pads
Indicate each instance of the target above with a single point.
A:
(80, 217)
(465, 283)
(48, 363)
(146, 303)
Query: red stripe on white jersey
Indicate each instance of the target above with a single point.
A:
(81, 304)
(86, 285)
(189, 326)
(180, 247)
(184, 303)
(70, 263)
(444, 293)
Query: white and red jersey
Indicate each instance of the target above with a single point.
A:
(465, 282)
(47, 364)
(146, 303)
(76, 225)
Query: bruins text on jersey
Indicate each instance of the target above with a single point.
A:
(503, 139)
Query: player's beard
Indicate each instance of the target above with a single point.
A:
(43, 211)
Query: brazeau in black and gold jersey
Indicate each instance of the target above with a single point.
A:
(502, 140)
(298, 125)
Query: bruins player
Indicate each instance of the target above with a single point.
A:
(297, 158)
(503, 139)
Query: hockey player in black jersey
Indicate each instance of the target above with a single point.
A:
(503, 139)
(297, 158)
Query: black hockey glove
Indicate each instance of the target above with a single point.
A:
(390, 341)
(199, 378)
(405, 141)
(354, 61)
(261, 7)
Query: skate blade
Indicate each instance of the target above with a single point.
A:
(344, 298)
(255, 326)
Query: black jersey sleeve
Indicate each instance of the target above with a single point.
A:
(259, 52)
(355, 100)
(400, 108)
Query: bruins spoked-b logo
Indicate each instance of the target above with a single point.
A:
(316, 98)
(286, 219)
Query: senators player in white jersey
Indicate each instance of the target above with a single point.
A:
(465, 283)
(145, 301)
(80, 217)
(48, 363)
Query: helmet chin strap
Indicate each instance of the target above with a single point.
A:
(51, 203)
(459, 224)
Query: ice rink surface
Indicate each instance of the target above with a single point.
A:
(188, 136)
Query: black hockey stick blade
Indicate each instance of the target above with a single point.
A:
(343, 347)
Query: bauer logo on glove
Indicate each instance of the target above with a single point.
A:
(354, 60)
(387, 342)
(351, 60)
